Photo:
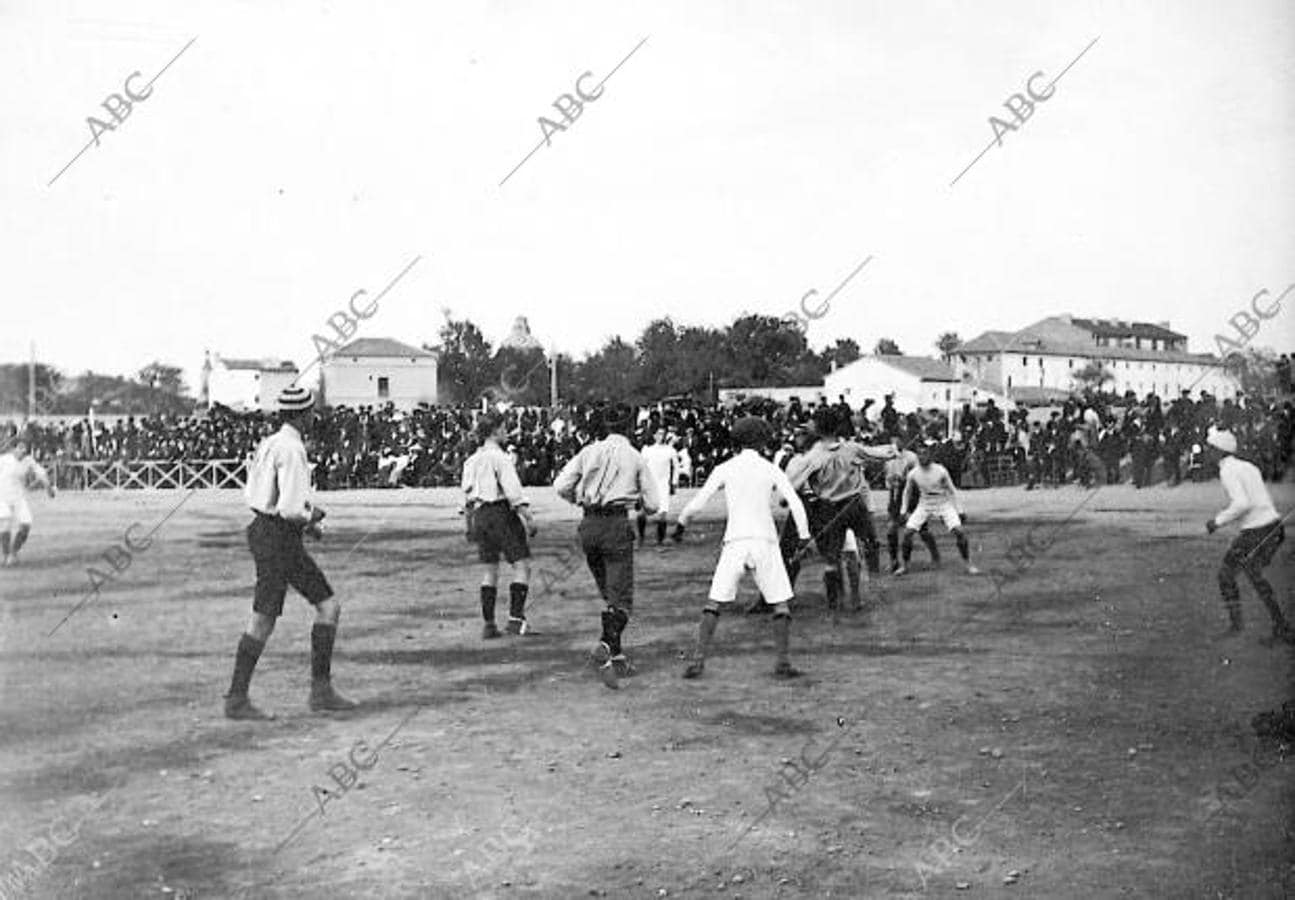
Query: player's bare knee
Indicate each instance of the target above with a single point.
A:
(328, 612)
(261, 626)
(711, 607)
(781, 610)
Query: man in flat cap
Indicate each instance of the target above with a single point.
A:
(278, 491)
(1262, 532)
(607, 479)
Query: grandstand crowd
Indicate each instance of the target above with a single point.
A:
(1090, 438)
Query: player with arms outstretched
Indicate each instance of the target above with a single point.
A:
(750, 540)
(661, 461)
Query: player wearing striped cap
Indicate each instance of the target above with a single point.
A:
(278, 491)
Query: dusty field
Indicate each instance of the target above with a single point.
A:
(1074, 724)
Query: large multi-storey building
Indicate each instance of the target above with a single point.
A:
(1040, 362)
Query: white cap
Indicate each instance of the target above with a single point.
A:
(1221, 440)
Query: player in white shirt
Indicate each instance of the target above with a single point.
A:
(930, 484)
(1262, 532)
(19, 472)
(750, 539)
(661, 463)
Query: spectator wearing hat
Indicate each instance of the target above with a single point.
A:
(606, 480)
(500, 522)
(750, 541)
(1262, 532)
(278, 492)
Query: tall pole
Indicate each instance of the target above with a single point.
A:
(31, 383)
(553, 377)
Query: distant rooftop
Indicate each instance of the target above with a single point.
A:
(258, 365)
(381, 347)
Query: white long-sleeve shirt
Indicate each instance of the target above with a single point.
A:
(1249, 498)
(747, 480)
(278, 477)
(16, 474)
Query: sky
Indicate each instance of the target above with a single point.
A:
(745, 154)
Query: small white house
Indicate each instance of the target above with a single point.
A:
(378, 371)
(918, 382)
(245, 384)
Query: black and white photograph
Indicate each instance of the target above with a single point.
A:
(571, 449)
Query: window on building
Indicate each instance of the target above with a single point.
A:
(384, 387)
(1025, 360)
(1070, 364)
(1009, 380)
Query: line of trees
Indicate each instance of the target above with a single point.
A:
(157, 388)
(666, 359)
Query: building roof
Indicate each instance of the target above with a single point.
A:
(1064, 336)
(1118, 328)
(381, 347)
(924, 367)
(258, 365)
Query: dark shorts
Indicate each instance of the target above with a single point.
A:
(832, 518)
(282, 560)
(894, 508)
(1254, 548)
(499, 530)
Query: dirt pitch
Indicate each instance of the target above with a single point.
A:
(1072, 720)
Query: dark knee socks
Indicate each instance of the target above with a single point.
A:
(517, 600)
(245, 659)
(852, 574)
(908, 546)
(642, 526)
(964, 548)
(21, 537)
(706, 633)
(660, 532)
(1231, 595)
(892, 545)
(488, 594)
(321, 651)
(832, 587)
(614, 622)
(4, 542)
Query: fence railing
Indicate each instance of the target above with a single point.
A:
(147, 474)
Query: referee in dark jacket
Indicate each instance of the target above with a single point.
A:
(607, 479)
(278, 491)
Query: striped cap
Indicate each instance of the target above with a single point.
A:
(295, 398)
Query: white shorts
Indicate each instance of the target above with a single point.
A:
(663, 492)
(763, 558)
(945, 511)
(18, 509)
(851, 544)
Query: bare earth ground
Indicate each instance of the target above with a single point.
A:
(1076, 728)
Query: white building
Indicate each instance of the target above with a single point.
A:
(917, 382)
(378, 371)
(245, 384)
(1040, 361)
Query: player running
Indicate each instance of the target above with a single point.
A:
(1262, 532)
(19, 472)
(607, 479)
(932, 488)
(750, 540)
(660, 459)
(278, 491)
(500, 522)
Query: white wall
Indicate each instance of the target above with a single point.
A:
(411, 381)
(1138, 375)
(235, 388)
(869, 378)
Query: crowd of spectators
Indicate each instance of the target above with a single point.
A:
(1093, 438)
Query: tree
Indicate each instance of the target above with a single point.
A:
(1092, 376)
(610, 373)
(947, 342)
(765, 351)
(887, 347)
(843, 352)
(466, 368)
(161, 377)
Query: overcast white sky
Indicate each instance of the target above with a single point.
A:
(300, 151)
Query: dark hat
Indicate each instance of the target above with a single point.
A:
(750, 431)
(615, 418)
